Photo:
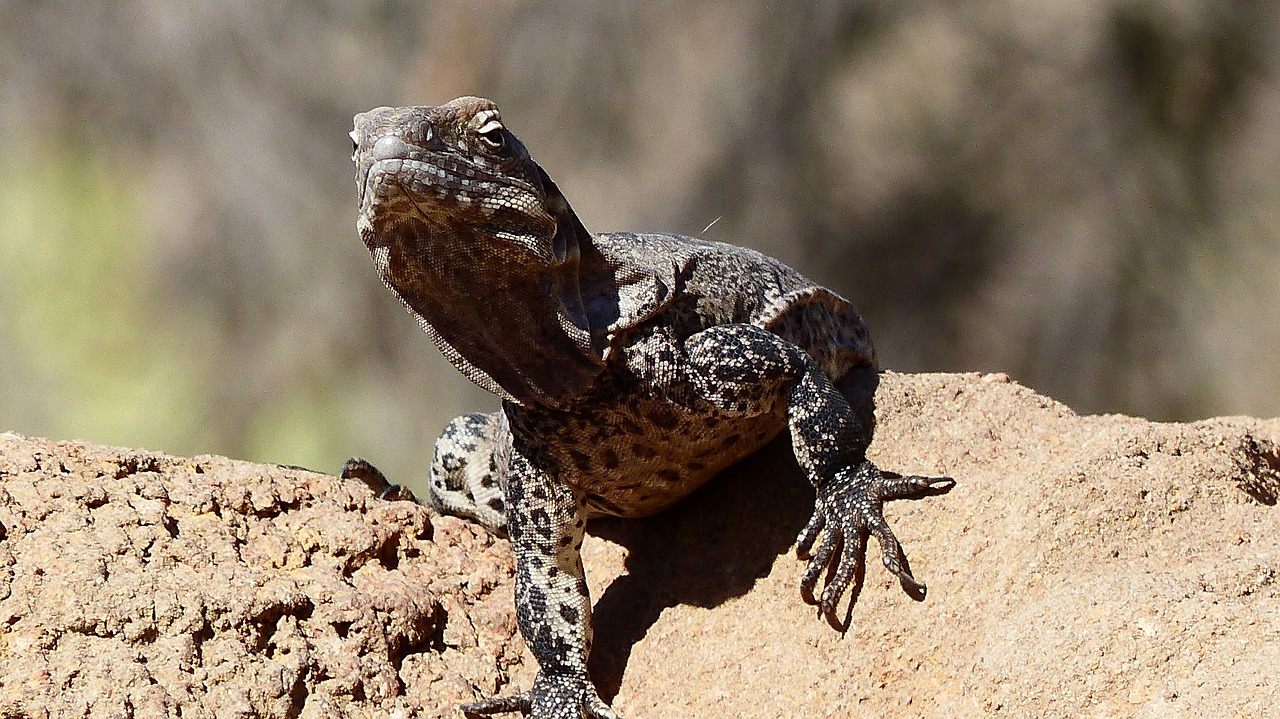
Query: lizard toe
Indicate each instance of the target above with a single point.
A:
(522, 702)
(553, 696)
(849, 509)
(375, 480)
(818, 560)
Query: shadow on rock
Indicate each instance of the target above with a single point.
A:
(708, 548)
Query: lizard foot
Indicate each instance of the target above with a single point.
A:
(374, 479)
(850, 508)
(553, 696)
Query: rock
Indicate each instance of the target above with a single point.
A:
(1101, 566)
(137, 584)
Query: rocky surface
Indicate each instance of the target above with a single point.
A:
(1083, 566)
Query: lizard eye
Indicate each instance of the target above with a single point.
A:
(493, 135)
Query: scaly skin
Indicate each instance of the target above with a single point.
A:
(631, 367)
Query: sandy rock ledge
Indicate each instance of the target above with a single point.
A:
(1083, 566)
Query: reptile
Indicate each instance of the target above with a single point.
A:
(631, 367)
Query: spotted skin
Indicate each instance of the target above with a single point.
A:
(465, 478)
(632, 368)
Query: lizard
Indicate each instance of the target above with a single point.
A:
(631, 368)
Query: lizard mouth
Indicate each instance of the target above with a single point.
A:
(403, 183)
(382, 171)
(399, 193)
(394, 187)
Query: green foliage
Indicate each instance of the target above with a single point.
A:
(88, 345)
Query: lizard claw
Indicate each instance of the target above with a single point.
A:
(849, 509)
(553, 696)
(374, 479)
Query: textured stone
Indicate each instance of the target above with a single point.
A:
(1100, 566)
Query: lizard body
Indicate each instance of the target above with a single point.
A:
(632, 368)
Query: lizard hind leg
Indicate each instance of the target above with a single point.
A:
(466, 474)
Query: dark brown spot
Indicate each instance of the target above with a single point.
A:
(644, 451)
(581, 460)
(610, 459)
(670, 476)
(695, 466)
(663, 417)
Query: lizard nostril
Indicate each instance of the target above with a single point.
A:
(390, 148)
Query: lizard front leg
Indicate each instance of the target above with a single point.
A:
(830, 440)
(545, 520)
(740, 369)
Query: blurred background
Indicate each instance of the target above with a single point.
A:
(1084, 194)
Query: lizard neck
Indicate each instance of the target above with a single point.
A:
(511, 319)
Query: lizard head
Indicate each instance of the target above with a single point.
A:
(478, 242)
(450, 165)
